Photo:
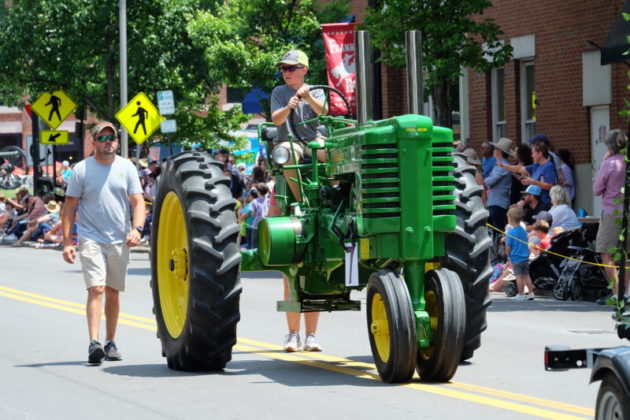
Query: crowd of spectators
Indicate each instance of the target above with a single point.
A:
(525, 186)
(530, 187)
(34, 218)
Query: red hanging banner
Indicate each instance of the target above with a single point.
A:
(339, 46)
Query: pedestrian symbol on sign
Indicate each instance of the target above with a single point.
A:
(141, 113)
(140, 118)
(53, 107)
(55, 103)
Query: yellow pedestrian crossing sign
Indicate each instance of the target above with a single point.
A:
(54, 107)
(54, 137)
(140, 117)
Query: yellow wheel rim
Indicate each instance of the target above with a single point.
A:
(172, 265)
(379, 328)
(432, 307)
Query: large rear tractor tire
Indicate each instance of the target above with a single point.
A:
(391, 326)
(444, 298)
(467, 252)
(195, 270)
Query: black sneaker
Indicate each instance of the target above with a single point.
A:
(111, 352)
(95, 352)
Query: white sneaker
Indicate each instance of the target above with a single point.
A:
(10, 238)
(292, 342)
(311, 344)
(518, 297)
(531, 296)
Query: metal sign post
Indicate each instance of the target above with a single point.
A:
(37, 170)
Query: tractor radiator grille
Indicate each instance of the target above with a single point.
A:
(443, 181)
(380, 191)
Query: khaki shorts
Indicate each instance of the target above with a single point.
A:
(301, 147)
(608, 233)
(104, 264)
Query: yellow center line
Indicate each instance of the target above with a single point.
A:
(469, 387)
(338, 364)
(55, 302)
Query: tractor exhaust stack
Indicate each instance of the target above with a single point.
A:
(363, 51)
(415, 102)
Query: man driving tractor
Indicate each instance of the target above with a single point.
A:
(295, 95)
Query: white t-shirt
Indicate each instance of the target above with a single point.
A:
(103, 191)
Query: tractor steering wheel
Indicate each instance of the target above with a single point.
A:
(292, 124)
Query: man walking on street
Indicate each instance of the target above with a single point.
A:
(107, 187)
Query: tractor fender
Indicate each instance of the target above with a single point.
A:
(615, 360)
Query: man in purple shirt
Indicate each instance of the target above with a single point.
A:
(608, 184)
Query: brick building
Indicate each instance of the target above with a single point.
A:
(554, 84)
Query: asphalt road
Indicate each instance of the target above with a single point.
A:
(44, 374)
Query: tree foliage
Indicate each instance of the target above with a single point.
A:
(74, 45)
(454, 35)
(243, 39)
(208, 125)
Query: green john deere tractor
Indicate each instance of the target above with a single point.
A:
(392, 209)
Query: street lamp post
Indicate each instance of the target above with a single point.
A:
(122, 6)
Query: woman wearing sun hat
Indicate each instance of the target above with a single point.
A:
(499, 184)
(43, 224)
(472, 158)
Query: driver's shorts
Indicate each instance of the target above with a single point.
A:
(301, 147)
(104, 264)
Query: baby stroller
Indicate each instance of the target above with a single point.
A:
(570, 278)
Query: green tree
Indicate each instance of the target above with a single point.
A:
(453, 37)
(243, 39)
(73, 45)
(208, 125)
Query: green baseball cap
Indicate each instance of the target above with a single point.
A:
(294, 57)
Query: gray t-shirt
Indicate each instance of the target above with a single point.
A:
(104, 190)
(280, 98)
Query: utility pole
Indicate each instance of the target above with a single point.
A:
(122, 6)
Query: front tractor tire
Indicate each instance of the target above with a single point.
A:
(444, 299)
(391, 326)
(468, 252)
(195, 267)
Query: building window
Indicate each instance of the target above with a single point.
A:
(498, 103)
(528, 99)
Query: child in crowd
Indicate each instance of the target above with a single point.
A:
(541, 230)
(517, 249)
(246, 217)
(258, 209)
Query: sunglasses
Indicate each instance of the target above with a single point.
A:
(103, 139)
(290, 69)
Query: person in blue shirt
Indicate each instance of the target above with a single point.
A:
(517, 249)
(499, 184)
(541, 173)
(247, 217)
(66, 170)
(487, 158)
(542, 138)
